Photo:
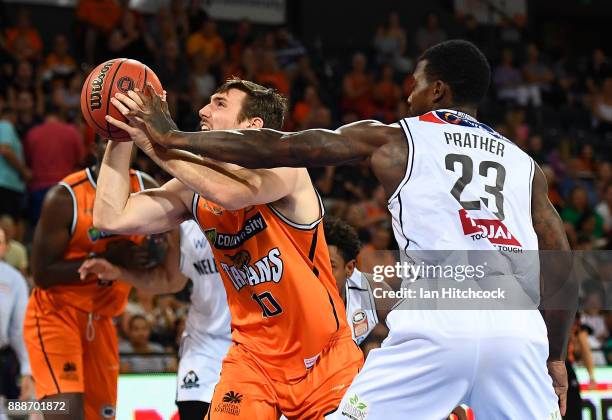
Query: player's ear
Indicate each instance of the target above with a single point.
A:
(349, 267)
(256, 122)
(439, 91)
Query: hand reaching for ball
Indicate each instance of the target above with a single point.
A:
(147, 114)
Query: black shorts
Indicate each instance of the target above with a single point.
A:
(11, 203)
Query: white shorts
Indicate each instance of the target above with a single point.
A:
(433, 361)
(199, 366)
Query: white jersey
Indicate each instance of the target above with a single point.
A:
(466, 187)
(209, 313)
(360, 306)
(207, 335)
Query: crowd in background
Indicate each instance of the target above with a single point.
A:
(556, 105)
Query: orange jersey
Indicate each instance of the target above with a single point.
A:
(106, 298)
(280, 288)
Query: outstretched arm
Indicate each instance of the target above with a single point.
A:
(267, 148)
(559, 292)
(230, 187)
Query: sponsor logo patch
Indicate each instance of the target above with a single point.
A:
(360, 323)
(251, 227)
(355, 409)
(231, 404)
(492, 229)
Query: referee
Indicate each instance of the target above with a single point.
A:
(13, 301)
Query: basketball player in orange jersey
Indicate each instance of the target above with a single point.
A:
(292, 350)
(68, 328)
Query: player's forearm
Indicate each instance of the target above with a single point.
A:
(212, 180)
(113, 187)
(57, 273)
(266, 148)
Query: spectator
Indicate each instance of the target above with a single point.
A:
(15, 254)
(598, 68)
(13, 302)
(271, 75)
(310, 112)
(604, 209)
(131, 39)
(602, 107)
(26, 79)
(377, 250)
(593, 319)
(54, 149)
(430, 34)
(207, 42)
(23, 40)
(579, 212)
(13, 171)
(241, 40)
(357, 89)
(68, 99)
(174, 71)
(59, 63)
(390, 44)
(386, 94)
(509, 83)
(536, 149)
(98, 18)
(27, 116)
(537, 75)
(288, 49)
(203, 83)
(554, 195)
(584, 165)
(135, 351)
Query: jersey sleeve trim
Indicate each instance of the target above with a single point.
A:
(140, 180)
(409, 160)
(90, 177)
(194, 207)
(301, 226)
(75, 214)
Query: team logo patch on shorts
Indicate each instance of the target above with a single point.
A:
(190, 380)
(360, 323)
(231, 404)
(355, 409)
(69, 372)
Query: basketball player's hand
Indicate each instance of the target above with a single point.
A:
(27, 388)
(558, 373)
(135, 127)
(99, 267)
(155, 115)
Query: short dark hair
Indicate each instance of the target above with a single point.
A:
(342, 235)
(135, 318)
(462, 66)
(265, 103)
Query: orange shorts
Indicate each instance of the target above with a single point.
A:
(71, 351)
(245, 391)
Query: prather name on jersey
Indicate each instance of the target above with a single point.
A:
(474, 141)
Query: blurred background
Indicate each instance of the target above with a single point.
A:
(338, 62)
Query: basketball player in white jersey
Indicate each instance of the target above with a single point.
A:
(207, 337)
(450, 181)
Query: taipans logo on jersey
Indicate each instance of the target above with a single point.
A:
(242, 272)
(95, 234)
(360, 324)
(250, 228)
(492, 229)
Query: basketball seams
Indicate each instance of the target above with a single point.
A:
(108, 96)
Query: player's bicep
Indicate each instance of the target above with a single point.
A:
(546, 221)
(262, 186)
(155, 210)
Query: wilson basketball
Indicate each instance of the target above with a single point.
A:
(110, 77)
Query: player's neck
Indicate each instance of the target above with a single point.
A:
(466, 109)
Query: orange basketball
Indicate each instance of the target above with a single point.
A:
(110, 77)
